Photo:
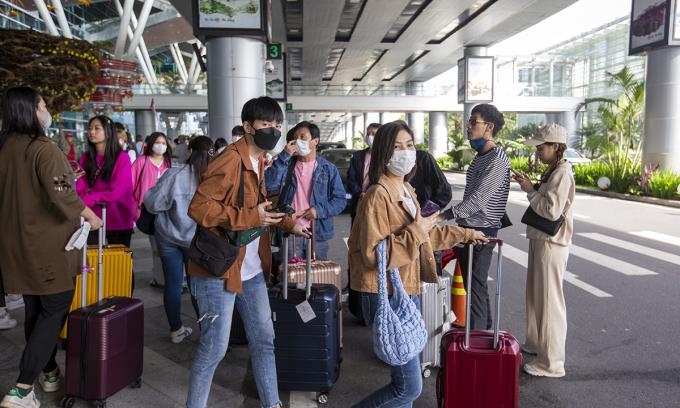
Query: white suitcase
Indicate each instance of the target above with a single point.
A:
(435, 306)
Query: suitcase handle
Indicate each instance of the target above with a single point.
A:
(468, 302)
(100, 251)
(85, 269)
(308, 266)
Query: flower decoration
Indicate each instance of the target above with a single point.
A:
(62, 70)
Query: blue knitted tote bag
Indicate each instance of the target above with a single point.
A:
(399, 332)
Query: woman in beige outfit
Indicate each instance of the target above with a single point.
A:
(546, 310)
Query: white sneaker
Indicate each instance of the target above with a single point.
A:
(50, 382)
(13, 400)
(14, 302)
(180, 334)
(6, 321)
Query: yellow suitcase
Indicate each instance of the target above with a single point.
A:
(116, 276)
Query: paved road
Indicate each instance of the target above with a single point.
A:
(622, 299)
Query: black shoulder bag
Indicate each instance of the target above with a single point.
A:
(216, 254)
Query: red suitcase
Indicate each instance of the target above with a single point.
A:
(104, 351)
(480, 368)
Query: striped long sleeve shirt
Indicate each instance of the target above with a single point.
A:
(487, 184)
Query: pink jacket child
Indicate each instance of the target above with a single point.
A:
(116, 193)
(145, 174)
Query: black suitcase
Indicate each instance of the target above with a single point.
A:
(307, 354)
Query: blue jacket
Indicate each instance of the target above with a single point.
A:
(328, 194)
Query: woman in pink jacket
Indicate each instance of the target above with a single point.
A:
(146, 170)
(107, 178)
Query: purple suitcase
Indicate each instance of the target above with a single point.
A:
(104, 352)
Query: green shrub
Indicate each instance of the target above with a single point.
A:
(445, 162)
(522, 165)
(588, 174)
(664, 184)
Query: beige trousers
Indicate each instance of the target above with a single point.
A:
(545, 306)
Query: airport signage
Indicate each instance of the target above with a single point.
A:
(475, 79)
(232, 18)
(653, 24)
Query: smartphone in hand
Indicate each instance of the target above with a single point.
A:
(286, 209)
(429, 208)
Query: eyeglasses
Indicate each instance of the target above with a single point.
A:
(473, 121)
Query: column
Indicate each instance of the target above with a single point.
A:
(438, 134)
(416, 120)
(357, 128)
(348, 131)
(661, 142)
(144, 122)
(467, 107)
(568, 120)
(235, 75)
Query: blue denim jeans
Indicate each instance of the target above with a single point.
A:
(216, 306)
(407, 382)
(174, 261)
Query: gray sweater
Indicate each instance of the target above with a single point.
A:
(170, 199)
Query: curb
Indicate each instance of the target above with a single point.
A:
(630, 197)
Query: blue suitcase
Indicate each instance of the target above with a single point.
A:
(307, 354)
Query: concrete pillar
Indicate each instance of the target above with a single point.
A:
(568, 120)
(144, 122)
(661, 141)
(382, 118)
(416, 120)
(438, 134)
(357, 122)
(235, 75)
(348, 132)
(467, 107)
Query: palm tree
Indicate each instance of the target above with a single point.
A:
(622, 121)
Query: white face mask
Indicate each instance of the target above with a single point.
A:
(235, 139)
(369, 140)
(45, 119)
(221, 149)
(303, 147)
(159, 148)
(402, 162)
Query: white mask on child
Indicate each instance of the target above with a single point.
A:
(303, 147)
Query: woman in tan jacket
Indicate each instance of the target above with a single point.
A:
(38, 212)
(390, 210)
(545, 306)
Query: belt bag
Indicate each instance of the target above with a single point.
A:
(543, 224)
(212, 253)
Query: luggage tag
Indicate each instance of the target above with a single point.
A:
(305, 311)
(79, 238)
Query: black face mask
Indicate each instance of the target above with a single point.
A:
(267, 138)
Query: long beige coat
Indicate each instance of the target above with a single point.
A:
(37, 217)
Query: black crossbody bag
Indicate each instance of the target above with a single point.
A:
(216, 254)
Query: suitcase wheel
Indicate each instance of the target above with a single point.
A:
(67, 402)
(137, 383)
(322, 398)
(425, 370)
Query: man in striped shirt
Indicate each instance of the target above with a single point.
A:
(487, 184)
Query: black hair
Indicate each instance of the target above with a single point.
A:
(201, 152)
(119, 126)
(238, 130)
(262, 108)
(313, 129)
(373, 125)
(290, 135)
(220, 142)
(19, 113)
(489, 113)
(383, 149)
(148, 147)
(111, 151)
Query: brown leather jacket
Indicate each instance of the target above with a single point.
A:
(216, 204)
(382, 214)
